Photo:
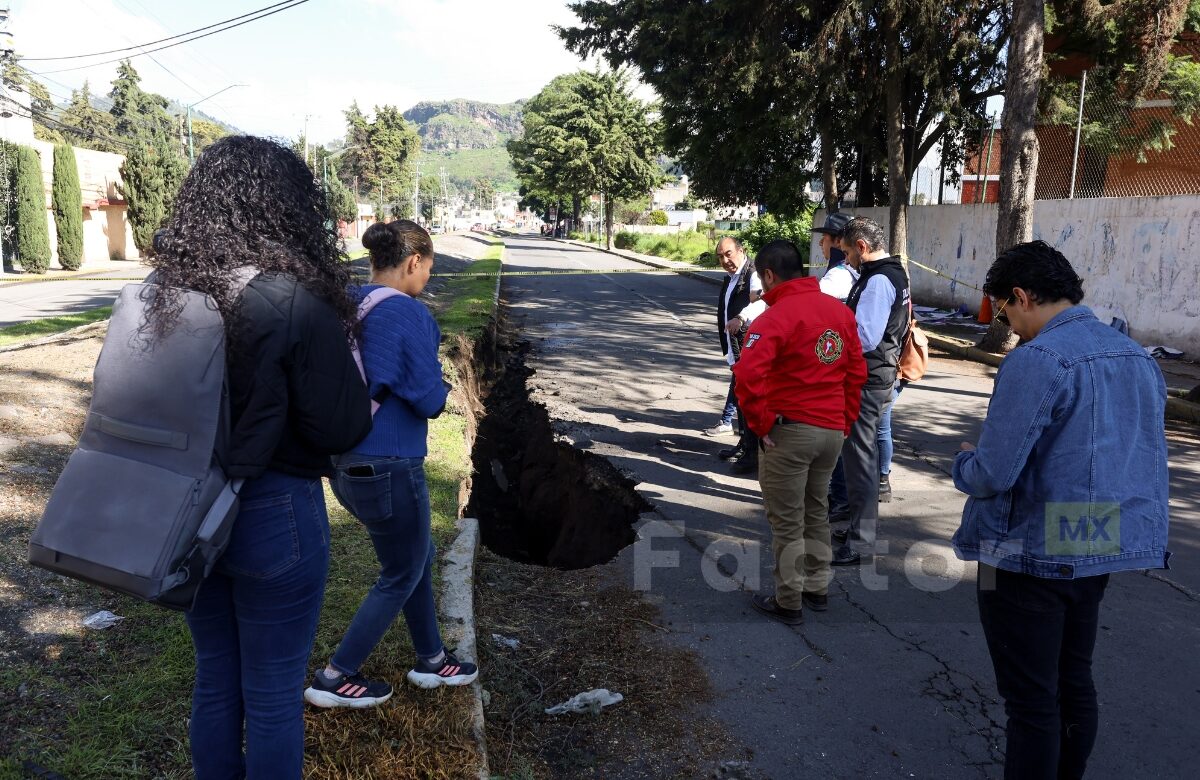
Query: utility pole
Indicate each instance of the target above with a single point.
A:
(191, 141)
(306, 118)
(417, 191)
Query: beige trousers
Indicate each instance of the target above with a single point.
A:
(794, 476)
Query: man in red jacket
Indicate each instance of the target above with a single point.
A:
(799, 383)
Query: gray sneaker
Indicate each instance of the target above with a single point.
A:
(719, 429)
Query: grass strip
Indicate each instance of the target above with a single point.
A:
(24, 331)
(115, 704)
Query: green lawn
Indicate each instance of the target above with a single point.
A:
(687, 246)
(24, 331)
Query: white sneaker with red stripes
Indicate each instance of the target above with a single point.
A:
(450, 671)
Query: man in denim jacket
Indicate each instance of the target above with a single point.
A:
(1068, 484)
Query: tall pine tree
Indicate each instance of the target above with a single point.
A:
(67, 199)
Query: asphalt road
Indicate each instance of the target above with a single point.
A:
(895, 680)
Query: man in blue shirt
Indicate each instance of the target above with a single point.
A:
(880, 302)
(1068, 484)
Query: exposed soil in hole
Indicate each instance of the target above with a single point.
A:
(539, 500)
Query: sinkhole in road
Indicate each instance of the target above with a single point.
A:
(540, 500)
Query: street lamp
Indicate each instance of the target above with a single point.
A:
(191, 146)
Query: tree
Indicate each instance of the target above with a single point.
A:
(67, 200)
(430, 192)
(585, 133)
(205, 134)
(756, 94)
(33, 228)
(138, 115)
(383, 154)
(657, 217)
(89, 126)
(144, 186)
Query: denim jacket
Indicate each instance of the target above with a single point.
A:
(1070, 475)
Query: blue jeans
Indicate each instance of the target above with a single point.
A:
(253, 628)
(886, 447)
(393, 504)
(730, 410)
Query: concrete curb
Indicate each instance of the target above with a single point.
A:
(458, 618)
(962, 349)
(683, 269)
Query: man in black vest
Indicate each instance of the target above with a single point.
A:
(737, 305)
(880, 301)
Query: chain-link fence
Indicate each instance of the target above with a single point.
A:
(1093, 143)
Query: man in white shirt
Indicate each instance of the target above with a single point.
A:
(838, 280)
(839, 277)
(738, 303)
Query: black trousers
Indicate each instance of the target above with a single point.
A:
(1041, 633)
(860, 461)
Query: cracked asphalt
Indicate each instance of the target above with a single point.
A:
(894, 680)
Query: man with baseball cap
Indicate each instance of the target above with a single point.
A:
(839, 277)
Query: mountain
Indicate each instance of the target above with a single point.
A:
(465, 124)
(467, 138)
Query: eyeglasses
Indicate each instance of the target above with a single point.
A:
(1000, 315)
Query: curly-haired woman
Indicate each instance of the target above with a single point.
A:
(382, 482)
(251, 207)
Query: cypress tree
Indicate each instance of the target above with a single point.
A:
(68, 208)
(143, 188)
(33, 229)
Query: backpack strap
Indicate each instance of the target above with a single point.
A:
(369, 302)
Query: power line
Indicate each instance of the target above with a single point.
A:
(172, 45)
(160, 40)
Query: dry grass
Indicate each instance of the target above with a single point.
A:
(580, 631)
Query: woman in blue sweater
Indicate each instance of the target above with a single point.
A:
(382, 481)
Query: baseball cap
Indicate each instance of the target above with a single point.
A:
(835, 223)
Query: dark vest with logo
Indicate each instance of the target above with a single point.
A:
(882, 362)
(738, 301)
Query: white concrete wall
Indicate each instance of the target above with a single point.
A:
(1136, 257)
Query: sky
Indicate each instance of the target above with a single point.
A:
(310, 61)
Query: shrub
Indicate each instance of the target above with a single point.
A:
(33, 229)
(768, 228)
(68, 208)
(658, 217)
(624, 240)
(707, 228)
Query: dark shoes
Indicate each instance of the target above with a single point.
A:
(354, 691)
(845, 535)
(844, 556)
(769, 607)
(731, 453)
(885, 489)
(745, 465)
(817, 602)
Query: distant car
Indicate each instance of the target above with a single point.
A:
(478, 226)
(436, 229)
